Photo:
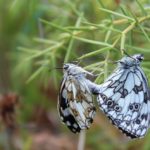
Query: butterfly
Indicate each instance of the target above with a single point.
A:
(125, 97)
(75, 101)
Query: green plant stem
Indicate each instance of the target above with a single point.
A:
(129, 28)
(132, 25)
(123, 21)
(107, 54)
(81, 142)
(122, 45)
(106, 65)
(117, 14)
(72, 39)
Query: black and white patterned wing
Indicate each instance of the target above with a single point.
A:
(81, 101)
(64, 110)
(124, 98)
(76, 107)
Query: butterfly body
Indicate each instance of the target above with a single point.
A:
(124, 97)
(75, 102)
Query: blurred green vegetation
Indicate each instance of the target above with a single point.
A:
(39, 35)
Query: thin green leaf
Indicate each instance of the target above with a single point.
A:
(82, 28)
(99, 79)
(108, 34)
(102, 5)
(45, 41)
(103, 26)
(75, 10)
(126, 11)
(141, 7)
(71, 41)
(92, 41)
(53, 62)
(142, 29)
(134, 16)
(122, 44)
(138, 49)
(96, 52)
(55, 26)
(147, 29)
(130, 37)
(117, 14)
(146, 69)
(28, 50)
(42, 52)
(91, 66)
(35, 74)
(69, 50)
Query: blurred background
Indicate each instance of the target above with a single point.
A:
(36, 36)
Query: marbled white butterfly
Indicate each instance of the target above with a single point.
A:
(75, 103)
(124, 97)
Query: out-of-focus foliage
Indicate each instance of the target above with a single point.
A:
(38, 36)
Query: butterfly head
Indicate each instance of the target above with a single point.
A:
(138, 57)
(130, 61)
(72, 69)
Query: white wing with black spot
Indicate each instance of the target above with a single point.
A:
(125, 99)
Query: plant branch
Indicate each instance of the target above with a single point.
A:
(129, 28)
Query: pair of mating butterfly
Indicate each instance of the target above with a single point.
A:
(124, 97)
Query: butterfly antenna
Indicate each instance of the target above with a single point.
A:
(50, 69)
(127, 54)
(124, 51)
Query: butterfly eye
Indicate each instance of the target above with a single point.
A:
(140, 57)
(66, 67)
